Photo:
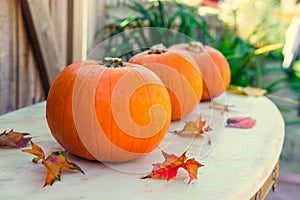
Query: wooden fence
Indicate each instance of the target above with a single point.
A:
(74, 23)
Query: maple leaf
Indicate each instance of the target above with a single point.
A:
(37, 151)
(14, 139)
(53, 163)
(240, 122)
(219, 106)
(191, 166)
(248, 91)
(169, 168)
(202, 126)
(199, 126)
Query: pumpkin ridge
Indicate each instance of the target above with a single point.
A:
(110, 116)
(77, 138)
(150, 100)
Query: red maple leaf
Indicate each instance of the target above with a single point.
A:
(240, 122)
(169, 168)
(191, 166)
(14, 139)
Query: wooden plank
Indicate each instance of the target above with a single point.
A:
(70, 15)
(96, 18)
(85, 18)
(59, 18)
(34, 83)
(41, 33)
(77, 30)
(28, 80)
(7, 56)
(22, 59)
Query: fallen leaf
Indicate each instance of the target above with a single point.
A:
(240, 122)
(255, 92)
(37, 151)
(219, 106)
(236, 89)
(14, 139)
(202, 125)
(169, 168)
(248, 91)
(191, 166)
(199, 126)
(53, 163)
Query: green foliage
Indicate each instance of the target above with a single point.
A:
(241, 58)
(169, 22)
(166, 19)
(247, 66)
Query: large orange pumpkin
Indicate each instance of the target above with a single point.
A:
(213, 66)
(178, 71)
(110, 111)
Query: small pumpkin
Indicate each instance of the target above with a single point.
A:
(213, 66)
(109, 111)
(178, 71)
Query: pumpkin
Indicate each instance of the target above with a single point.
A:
(213, 66)
(178, 71)
(110, 111)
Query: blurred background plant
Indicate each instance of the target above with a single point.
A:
(169, 15)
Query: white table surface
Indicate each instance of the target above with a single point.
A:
(236, 164)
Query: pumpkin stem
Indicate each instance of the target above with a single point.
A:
(112, 62)
(157, 49)
(195, 46)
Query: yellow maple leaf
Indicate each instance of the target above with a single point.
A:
(53, 163)
(199, 126)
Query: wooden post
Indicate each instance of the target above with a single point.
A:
(77, 30)
(59, 18)
(96, 18)
(42, 36)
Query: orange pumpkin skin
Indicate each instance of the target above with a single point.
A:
(95, 112)
(213, 66)
(178, 71)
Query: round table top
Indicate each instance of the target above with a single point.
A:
(237, 163)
